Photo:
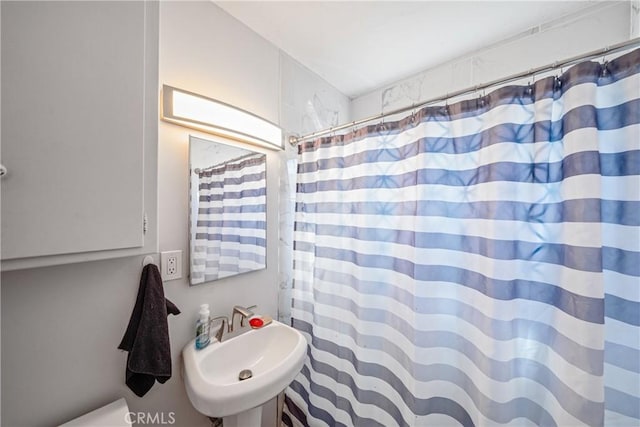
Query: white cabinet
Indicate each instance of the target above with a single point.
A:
(79, 131)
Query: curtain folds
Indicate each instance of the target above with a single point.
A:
(476, 263)
(230, 230)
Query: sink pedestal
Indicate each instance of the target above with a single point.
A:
(248, 418)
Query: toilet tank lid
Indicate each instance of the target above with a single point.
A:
(115, 414)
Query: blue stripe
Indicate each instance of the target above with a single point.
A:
(622, 309)
(578, 210)
(262, 207)
(621, 261)
(620, 164)
(576, 257)
(582, 307)
(623, 357)
(233, 195)
(588, 116)
(583, 163)
(622, 403)
(621, 212)
(258, 225)
(293, 409)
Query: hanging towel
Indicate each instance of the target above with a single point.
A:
(147, 336)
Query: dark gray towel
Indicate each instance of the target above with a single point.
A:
(147, 336)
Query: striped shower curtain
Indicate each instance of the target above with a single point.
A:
(476, 263)
(230, 231)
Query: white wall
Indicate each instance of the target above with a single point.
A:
(61, 325)
(600, 25)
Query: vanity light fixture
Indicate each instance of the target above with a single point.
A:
(208, 115)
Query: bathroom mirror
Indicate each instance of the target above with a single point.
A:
(227, 210)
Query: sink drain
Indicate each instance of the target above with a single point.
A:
(245, 374)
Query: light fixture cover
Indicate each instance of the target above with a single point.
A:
(208, 115)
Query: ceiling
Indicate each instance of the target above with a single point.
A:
(358, 46)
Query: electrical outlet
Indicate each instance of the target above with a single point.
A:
(171, 262)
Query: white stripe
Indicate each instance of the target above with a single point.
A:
(621, 285)
(615, 140)
(617, 93)
(614, 419)
(621, 333)
(231, 231)
(622, 380)
(625, 237)
(620, 187)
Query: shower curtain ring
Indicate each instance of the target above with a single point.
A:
(381, 125)
(532, 81)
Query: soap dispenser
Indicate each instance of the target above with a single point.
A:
(202, 327)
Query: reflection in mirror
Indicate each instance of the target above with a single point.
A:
(227, 210)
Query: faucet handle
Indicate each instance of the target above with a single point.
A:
(220, 332)
(223, 318)
(244, 312)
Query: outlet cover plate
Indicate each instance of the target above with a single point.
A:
(171, 263)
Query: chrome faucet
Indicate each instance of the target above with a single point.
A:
(244, 312)
(225, 321)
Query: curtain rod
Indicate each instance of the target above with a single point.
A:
(295, 140)
(235, 159)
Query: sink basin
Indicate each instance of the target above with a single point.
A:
(274, 354)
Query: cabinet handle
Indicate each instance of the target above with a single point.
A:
(3, 170)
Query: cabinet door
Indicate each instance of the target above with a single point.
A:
(73, 127)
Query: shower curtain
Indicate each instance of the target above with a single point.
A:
(230, 231)
(475, 263)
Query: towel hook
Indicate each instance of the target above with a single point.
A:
(147, 260)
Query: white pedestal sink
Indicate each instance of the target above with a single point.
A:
(274, 354)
